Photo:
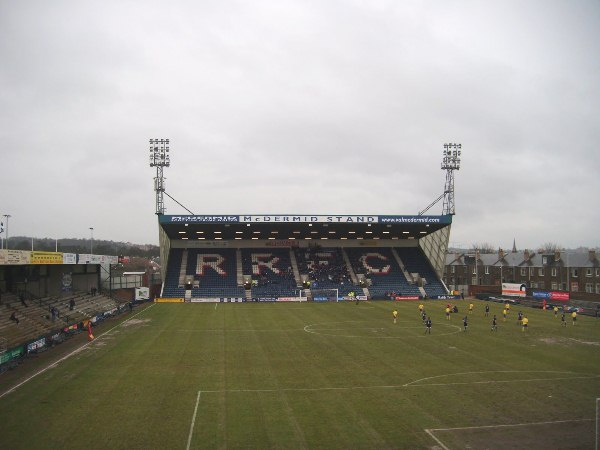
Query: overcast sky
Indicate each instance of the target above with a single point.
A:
(323, 107)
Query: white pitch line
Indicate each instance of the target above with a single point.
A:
(342, 388)
(500, 381)
(511, 425)
(74, 352)
(189, 442)
(398, 386)
(436, 439)
(498, 371)
(430, 431)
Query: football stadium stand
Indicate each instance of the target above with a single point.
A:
(270, 257)
(42, 317)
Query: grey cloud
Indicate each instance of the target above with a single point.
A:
(330, 106)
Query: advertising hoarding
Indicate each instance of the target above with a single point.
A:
(552, 295)
(142, 293)
(514, 289)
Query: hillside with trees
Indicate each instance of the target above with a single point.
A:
(71, 245)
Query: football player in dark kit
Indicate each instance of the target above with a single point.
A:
(428, 325)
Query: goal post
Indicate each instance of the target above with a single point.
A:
(325, 295)
(300, 296)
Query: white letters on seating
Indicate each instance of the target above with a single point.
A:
(321, 259)
(210, 261)
(267, 260)
(364, 260)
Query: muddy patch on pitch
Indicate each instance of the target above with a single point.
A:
(569, 342)
(133, 322)
(556, 341)
(579, 341)
(552, 340)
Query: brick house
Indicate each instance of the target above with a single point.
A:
(557, 271)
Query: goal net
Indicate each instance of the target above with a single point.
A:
(325, 295)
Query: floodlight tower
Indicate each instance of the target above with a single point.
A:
(159, 158)
(450, 163)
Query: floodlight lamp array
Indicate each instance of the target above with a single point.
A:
(159, 153)
(451, 156)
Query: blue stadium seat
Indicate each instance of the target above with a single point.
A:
(271, 271)
(415, 261)
(212, 272)
(379, 265)
(326, 269)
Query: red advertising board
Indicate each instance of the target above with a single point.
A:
(562, 296)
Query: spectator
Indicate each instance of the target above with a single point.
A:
(71, 304)
(13, 317)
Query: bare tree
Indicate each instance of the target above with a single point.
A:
(484, 247)
(550, 247)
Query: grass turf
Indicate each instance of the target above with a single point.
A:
(332, 375)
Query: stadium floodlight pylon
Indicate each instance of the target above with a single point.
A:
(159, 158)
(450, 162)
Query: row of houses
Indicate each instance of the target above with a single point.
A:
(569, 270)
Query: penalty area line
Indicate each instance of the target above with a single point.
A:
(189, 441)
(523, 380)
(434, 437)
(431, 431)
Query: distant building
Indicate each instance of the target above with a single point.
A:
(572, 271)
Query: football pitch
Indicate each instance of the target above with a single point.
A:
(315, 376)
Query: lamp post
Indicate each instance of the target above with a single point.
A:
(6, 216)
(568, 272)
(476, 266)
(92, 241)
